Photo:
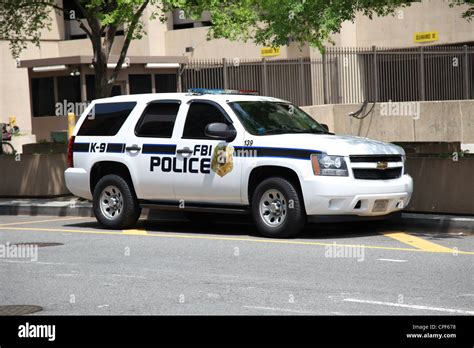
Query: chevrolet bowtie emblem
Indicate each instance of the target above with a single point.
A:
(382, 165)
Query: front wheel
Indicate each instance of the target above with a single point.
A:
(114, 202)
(277, 208)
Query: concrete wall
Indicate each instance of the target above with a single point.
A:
(441, 185)
(33, 176)
(178, 40)
(425, 16)
(434, 121)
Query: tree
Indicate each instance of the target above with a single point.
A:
(276, 22)
(21, 22)
(267, 22)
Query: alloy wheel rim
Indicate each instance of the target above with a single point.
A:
(111, 202)
(273, 208)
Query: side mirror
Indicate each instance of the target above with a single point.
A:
(220, 131)
(325, 126)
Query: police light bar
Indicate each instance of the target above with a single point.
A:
(221, 91)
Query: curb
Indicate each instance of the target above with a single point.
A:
(47, 207)
(81, 208)
(441, 222)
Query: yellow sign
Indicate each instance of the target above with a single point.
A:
(270, 51)
(426, 36)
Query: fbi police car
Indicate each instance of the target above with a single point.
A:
(228, 151)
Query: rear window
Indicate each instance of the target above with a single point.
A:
(106, 119)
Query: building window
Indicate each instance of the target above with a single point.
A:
(90, 87)
(139, 84)
(72, 14)
(181, 22)
(69, 89)
(165, 83)
(43, 96)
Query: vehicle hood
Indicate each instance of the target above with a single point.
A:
(341, 145)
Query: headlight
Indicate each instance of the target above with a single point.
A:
(326, 165)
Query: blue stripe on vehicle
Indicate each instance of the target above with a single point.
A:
(159, 149)
(80, 147)
(115, 148)
(280, 152)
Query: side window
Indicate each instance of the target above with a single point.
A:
(106, 119)
(199, 116)
(158, 120)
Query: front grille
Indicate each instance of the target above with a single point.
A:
(375, 158)
(377, 174)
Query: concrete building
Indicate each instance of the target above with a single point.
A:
(59, 70)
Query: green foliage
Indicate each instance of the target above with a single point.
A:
(21, 21)
(468, 5)
(276, 22)
(266, 22)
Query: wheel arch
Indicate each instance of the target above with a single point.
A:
(102, 168)
(258, 174)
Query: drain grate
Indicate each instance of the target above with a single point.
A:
(39, 244)
(19, 309)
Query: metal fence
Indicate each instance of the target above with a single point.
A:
(346, 75)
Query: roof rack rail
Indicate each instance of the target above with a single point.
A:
(201, 91)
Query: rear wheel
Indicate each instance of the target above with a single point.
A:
(277, 208)
(114, 202)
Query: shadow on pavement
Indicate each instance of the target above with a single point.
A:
(238, 225)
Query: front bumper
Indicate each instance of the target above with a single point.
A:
(349, 196)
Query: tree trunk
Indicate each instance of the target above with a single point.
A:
(100, 59)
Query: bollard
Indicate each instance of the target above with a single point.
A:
(12, 121)
(71, 123)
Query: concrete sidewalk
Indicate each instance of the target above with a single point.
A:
(74, 206)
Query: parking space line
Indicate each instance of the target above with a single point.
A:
(237, 239)
(394, 304)
(135, 232)
(41, 221)
(418, 243)
(279, 309)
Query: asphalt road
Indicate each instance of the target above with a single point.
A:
(225, 268)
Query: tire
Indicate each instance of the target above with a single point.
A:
(115, 194)
(279, 199)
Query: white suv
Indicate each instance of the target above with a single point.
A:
(205, 151)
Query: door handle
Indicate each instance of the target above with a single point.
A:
(186, 150)
(134, 147)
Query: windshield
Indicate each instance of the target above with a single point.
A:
(265, 117)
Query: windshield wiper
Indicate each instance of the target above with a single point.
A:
(273, 131)
(310, 131)
(293, 131)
